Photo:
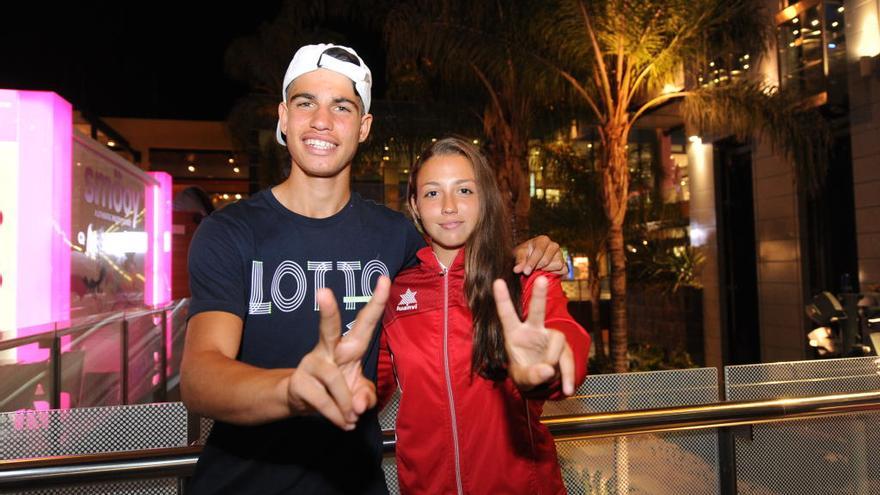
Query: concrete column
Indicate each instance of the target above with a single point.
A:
(863, 65)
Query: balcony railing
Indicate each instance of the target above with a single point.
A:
(796, 428)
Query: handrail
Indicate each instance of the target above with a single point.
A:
(48, 334)
(180, 462)
(153, 463)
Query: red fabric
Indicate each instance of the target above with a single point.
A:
(502, 446)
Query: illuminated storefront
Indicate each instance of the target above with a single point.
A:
(82, 231)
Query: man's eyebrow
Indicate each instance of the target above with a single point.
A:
(343, 99)
(307, 96)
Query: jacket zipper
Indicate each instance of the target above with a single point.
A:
(449, 379)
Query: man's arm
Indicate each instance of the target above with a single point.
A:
(214, 384)
(328, 380)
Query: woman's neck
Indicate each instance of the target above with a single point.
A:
(445, 256)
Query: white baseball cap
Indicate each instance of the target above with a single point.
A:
(312, 57)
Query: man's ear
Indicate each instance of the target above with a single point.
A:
(366, 123)
(282, 118)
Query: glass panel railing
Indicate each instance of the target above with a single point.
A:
(676, 462)
(26, 375)
(93, 363)
(146, 345)
(176, 320)
(89, 358)
(826, 455)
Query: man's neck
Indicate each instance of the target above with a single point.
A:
(313, 197)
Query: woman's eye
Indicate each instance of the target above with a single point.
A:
(431, 194)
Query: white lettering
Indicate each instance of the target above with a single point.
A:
(348, 268)
(291, 302)
(320, 268)
(374, 267)
(288, 304)
(257, 306)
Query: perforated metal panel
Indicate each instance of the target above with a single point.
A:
(801, 378)
(92, 430)
(389, 465)
(205, 425)
(669, 463)
(166, 486)
(643, 390)
(388, 415)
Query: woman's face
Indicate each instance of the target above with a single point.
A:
(447, 202)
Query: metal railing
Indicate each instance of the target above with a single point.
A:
(83, 331)
(180, 462)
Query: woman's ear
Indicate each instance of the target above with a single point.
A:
(413, 208)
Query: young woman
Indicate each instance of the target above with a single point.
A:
(473, 375)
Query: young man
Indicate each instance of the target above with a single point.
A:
(276, 351)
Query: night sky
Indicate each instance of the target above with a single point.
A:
(130, 59)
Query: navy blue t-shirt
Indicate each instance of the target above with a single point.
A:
(262, 262)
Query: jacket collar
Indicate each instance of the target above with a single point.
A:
(428, 261)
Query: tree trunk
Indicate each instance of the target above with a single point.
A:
(618, 300)
(521, 199)
(615, 188)
(594, 287)
(507, 152)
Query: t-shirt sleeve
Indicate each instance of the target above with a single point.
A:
(216, 277)
(414, 242)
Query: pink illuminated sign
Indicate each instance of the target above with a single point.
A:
(157, 287)
(35, 183)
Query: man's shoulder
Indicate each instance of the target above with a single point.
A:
(241, 215)
(245, 209)
(378, 211)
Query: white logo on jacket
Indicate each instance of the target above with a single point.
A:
(407, 301)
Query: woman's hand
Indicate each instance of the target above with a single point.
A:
(535, 354)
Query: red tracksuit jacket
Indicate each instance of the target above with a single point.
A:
(457, 432)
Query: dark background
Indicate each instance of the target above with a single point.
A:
(130, 59)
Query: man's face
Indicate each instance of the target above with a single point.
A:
(322, 122)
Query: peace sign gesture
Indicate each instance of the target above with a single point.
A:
(329, 379)
(535, 354)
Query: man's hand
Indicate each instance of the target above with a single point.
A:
(534, 354)
(540, 253)
(329, 379)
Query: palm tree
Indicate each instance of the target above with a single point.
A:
(470, 48)
(576, 219)
(619, 54)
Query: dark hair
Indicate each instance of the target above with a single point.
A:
(488, 256)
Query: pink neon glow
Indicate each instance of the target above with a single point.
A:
(157, 220)
(44, 138)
